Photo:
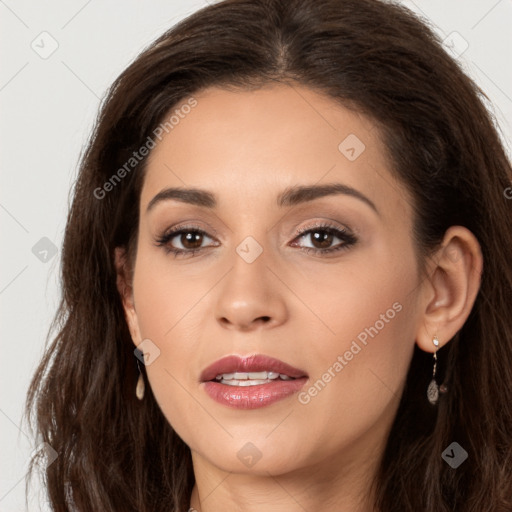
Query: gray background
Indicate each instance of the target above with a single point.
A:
(48, 103)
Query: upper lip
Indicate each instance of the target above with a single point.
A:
(252, 363)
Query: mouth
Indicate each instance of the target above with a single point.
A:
(250, 371)
(251, 382)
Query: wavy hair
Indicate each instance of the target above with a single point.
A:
(118, 454)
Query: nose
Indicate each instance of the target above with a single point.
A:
(251, 297)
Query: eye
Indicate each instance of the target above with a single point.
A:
(190, 238)
(323, 235)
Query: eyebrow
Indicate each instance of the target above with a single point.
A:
(291, 196)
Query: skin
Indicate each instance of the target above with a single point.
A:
(247, 147)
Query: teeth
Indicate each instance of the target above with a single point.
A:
(244, 382)
(257, 375)
(250, 378)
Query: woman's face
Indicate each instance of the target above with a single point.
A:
(345, 319)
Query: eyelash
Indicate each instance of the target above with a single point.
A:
(347, 237)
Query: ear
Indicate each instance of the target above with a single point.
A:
(450, 290)
(125, 289)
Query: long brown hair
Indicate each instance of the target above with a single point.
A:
(118, 454)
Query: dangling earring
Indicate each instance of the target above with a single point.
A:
(139, 390)
(433, 388)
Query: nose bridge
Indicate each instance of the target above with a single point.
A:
(248, 275)
(250, 291)
(250, 249)
(250, 235)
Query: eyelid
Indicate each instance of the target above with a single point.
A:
(325, 224)
(191, 225)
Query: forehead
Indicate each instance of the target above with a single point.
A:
(245, 144)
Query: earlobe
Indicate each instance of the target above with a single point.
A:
(450, 290)
(125, 289)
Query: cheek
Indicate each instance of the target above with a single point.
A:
(168, 304)
(163, 320)
(360, 364)
(169, 297)
(369, 313)
(365, 326)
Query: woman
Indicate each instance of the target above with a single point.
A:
(286, 276)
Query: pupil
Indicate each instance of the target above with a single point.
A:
(327, 239)
(191, 238)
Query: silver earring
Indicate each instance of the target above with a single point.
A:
(433, 387)
(139, 390)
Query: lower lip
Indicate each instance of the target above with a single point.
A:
(253, 397)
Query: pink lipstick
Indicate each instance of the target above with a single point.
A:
(251, 382)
